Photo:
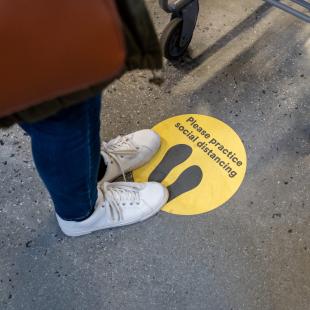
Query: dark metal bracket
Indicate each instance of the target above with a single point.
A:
(188, 11)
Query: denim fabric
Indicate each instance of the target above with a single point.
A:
(66, 152)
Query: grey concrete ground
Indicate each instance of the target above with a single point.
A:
(249, 65)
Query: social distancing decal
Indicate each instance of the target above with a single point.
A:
(202, 161)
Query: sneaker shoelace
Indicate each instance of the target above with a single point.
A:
(118, 195)
(118, 148)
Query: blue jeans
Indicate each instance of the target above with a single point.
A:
(66, 152)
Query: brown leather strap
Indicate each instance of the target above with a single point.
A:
(53, 47)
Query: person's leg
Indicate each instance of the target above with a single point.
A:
(66, 152)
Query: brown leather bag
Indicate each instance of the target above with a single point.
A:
(54, 47)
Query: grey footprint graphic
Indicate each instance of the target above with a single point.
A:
(174, 156)
(188, 180)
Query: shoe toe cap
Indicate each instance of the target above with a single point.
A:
(155, 195)
(147, 138)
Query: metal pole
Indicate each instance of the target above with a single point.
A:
(303, 3)
(290, 10)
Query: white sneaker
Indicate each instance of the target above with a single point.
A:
(126, 153)
(119, 204)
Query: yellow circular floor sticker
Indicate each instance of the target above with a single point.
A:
(202, 161)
